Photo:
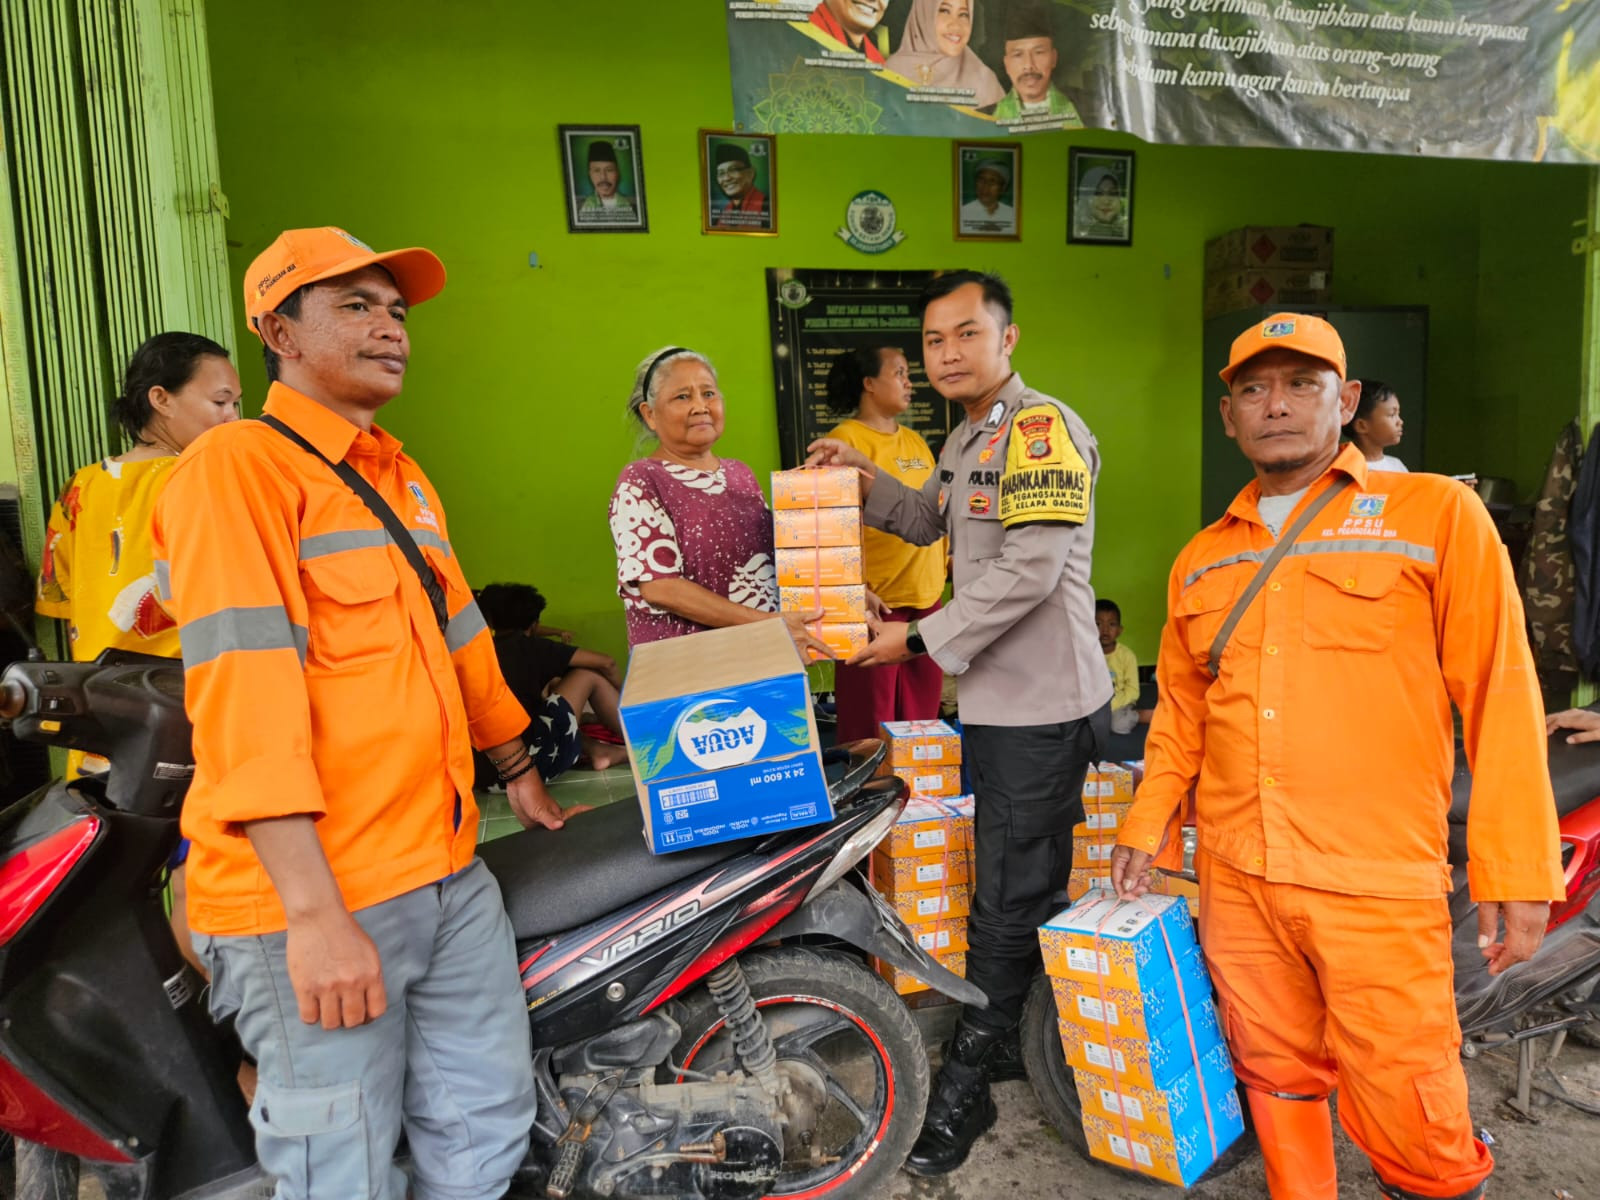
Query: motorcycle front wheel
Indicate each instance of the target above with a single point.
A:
(1053, 1086)
(833, 1016)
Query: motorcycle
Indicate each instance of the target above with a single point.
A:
(697, 1030)
(1552, 995)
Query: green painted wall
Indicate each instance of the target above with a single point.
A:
(411, 122)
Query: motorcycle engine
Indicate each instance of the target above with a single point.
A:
(716, 1140)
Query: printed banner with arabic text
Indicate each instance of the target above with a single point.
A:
(1506, 79)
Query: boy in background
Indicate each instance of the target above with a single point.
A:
(1124, 667)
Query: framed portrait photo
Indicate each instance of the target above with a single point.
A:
(602, 170)
(738, 182)
(1099, 196)
(987, 191)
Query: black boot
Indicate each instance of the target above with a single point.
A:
(1005, 1060)
(960, 1108)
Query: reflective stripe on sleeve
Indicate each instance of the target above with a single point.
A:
(321, 544)
(163, 580)
(464, 626)
(265, 628)
(1411, 550)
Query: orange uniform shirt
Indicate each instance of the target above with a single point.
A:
(317, 679)
(1321, 754)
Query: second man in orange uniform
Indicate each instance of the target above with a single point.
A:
(1319, 747)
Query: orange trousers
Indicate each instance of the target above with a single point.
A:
(1321, 990)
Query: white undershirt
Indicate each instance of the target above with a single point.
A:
(1387, 462)
(1275, 510)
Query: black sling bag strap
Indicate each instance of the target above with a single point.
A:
(398, 533)
(1214, 659)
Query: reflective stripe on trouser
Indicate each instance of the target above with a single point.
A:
(1028, 780)
(449, 1061)
(1322, 990)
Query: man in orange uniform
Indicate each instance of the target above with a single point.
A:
(332, 815)
(1320, 754)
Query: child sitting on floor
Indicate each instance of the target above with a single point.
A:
(554, 681)
(1122, 664)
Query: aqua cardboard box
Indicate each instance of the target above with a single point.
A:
(1126, 941)
(1181, 1156)
(1136, 1012)
(721, 737)
(1150, 1060)
(1172, 1112)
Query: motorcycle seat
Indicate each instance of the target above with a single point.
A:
(1574, 776)
(557, 879)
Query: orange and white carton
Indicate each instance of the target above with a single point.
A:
(920, 906)
(920, 743)
(923, 828)
(1092, 852)
(942, 937)
(844, 604)
(842, 641)
(816, 487)
(797, 527)
(954, 961)
(921, 872)
(928, 781)
(831, 566)
(1085, 879)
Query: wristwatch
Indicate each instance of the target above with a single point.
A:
(914, 642)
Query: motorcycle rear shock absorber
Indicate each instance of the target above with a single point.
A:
(731, 992)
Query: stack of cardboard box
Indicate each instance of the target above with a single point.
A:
(1140, 1030)
(816, 528)
(1279, 266)
(923, 868)
(1107, 796)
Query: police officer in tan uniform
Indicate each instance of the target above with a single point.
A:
(1015, 493)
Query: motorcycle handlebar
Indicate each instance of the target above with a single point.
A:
(13, 699)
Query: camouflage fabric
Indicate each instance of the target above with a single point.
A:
(1547, 577)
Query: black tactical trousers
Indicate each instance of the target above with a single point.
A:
(1028, 780)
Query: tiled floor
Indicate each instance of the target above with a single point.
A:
(578, 786)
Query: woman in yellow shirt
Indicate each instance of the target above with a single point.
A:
(873, 386)
(98, 570)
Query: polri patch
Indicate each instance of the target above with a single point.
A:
(979, 504)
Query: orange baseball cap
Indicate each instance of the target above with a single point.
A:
(1287, 331)
(302, 256)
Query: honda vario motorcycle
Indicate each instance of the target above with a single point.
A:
(703, 1023)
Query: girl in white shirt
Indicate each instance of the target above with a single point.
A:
(1376, 426)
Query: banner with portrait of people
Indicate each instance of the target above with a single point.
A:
(1501, 79)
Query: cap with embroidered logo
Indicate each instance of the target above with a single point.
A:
(302, 256)
(1287, 331)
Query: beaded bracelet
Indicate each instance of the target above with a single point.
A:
(519, 773)
(497, 763)
(512, 765)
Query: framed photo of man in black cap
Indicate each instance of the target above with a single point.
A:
(738, 182)
(602, 170)
(988, 192)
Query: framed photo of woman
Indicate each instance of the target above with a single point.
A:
(987, 191)
(1099, 196)
(738, 182)
(602, 172)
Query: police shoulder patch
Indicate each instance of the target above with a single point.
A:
(1045, 478)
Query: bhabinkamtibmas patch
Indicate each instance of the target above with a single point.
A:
(1045, 478)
